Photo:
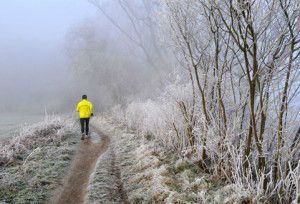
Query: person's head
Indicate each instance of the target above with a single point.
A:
(84, 97)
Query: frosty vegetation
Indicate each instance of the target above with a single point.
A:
(231, 105)
(137, 169)
(52, 128)
(34, 161)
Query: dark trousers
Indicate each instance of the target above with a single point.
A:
(84, 122)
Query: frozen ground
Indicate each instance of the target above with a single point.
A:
(33, 161)
(136, 169)
(76, 179)
(133, 169)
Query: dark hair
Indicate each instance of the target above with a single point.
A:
(84, 97)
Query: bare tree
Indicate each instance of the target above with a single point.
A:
(142, 29)
(250, 48)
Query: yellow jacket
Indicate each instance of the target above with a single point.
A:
(85, 108)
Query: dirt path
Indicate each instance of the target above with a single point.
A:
(75, 183)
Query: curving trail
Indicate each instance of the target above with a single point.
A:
(74, 187)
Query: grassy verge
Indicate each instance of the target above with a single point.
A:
(152, 174)
(34, 161)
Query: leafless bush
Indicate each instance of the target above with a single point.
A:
(236, 115)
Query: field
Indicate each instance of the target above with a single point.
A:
(33, 162)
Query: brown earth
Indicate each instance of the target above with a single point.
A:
(75, 183)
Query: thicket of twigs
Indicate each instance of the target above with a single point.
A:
(238, 114)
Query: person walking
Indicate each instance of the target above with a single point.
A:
(85, 109)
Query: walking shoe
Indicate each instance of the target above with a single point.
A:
(82, 136)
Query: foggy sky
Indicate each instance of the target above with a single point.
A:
(33, 69)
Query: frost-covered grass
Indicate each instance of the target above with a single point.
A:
(104, 186)
(105, 182)
(34, 160)
(166, 120)
(152, 174)
(51, 129)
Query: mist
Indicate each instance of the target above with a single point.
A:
(33, 65)
(53, 52)
(116, 56)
